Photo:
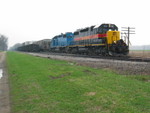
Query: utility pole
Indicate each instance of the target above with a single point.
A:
(127, 31)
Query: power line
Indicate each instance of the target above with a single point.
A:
(127, 31)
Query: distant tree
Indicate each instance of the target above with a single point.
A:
(3, 43)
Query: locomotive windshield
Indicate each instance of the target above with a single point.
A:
(107, 27)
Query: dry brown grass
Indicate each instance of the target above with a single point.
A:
(144, 54)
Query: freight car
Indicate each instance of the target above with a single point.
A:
(29, 48)
(43, 44)
(36, 46)
(99, 40)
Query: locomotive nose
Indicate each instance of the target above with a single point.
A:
(113, 36)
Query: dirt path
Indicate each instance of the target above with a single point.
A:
(4, 86)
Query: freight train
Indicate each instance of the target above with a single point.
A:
(36, 46)
(94, 40)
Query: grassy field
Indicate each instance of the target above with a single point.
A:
(41, 85)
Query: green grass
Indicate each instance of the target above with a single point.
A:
(40, 85)
(145, 78)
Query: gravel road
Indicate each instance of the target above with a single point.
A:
(4, 86)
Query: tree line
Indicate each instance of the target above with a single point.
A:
(3, 43)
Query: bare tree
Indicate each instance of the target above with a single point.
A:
(3, 43)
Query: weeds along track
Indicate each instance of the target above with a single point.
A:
(125, 66)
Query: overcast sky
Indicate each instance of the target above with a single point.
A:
(31, 20)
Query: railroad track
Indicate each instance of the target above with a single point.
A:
(124, 58)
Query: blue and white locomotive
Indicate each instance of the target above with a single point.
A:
(60, 42)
